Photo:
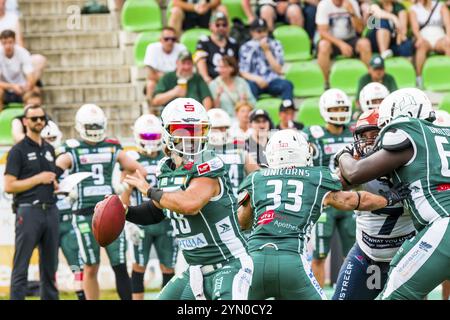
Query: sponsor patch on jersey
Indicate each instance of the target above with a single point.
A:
(97, 191)
(443, 187)
(266, 218)
(84, 227)
(203, 168)
(31, 156)
(192, 242)
(316, 131)
(163, 182)
(96, 158)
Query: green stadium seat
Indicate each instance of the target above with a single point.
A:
(234, 8)
(6, 116)
(141, 15)
(14, 105)
(295, 41)
(436, 73)
(402, 70)
(140, 46)
(271, 105)
(345, 74)
(307, 78)
(309, 113)
(190, 37)
(445, 103)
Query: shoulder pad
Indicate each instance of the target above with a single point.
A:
(395, 140)
(72, 143)
(316, 131)
(113, 141)
(133, 154)
(209, 166)
(243, 196)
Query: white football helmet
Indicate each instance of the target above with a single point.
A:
(147, 131)
(90, 122)
(335, 98)
(52, 134)
(288, 148)
(442, 118)
(185, 126)
(410, 102)
(219, 119)
(371, 96)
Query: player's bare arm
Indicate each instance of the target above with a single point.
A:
(64, 161)
(245, 213)
(188, 202)
(130, 165)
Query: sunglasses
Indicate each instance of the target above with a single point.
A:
(221, 25)
(35, 119)
(167, 39)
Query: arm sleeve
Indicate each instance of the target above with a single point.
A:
(27, 66)
(322, 14)
(13, 163)
(145, 214)
(356, 8)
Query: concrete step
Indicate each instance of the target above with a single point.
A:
(94, 93)
(72, 41)
(52, 7)
(84, 58)
(61, 23)
(81, 76)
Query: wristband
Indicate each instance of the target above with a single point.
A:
(155, 194)
(359, 200)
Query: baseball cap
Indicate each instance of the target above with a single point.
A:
(377, 62)
(218, 16)
(287, 104)
(259, 113)
(258, 24)
(183, 55)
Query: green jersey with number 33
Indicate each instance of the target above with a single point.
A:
(213, 234)
(428, 171)
(286, 204)
(99, 159)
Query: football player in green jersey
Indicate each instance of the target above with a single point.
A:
(336, 110)
(196, 194)
(281, 204)
(98, 155)
(237, 161)
(147, 132)
(67, 236)
(415, 151)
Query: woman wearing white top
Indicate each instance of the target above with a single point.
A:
(433, 35)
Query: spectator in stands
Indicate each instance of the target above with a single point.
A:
(261, 61)
(16, 70)
(389, 28)
(10, 21)
(240, 129)
(210, 49)
(18, 129)
(182, 83)
(377, 74)
(339, 23)
(309, 12)
(187, 14)
(430, 23)
(228, 88)
(285, 11)
(161, 57)
(287, 115)
(256, 143)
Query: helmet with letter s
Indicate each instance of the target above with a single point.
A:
(372, 95)
(220, 123)
(409, 102)
(288, 148)
(90, 122)
(186, 126)
(147, 132)
(335, 107)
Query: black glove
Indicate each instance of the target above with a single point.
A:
(347, 149)
(396, 194)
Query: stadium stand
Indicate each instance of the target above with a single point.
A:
(141, 16)
(295, 41)
(345, 74)
(402, 70)
(436, 73)
(307, 79)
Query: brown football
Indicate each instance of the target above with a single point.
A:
(108, 220)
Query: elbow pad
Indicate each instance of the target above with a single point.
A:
(145, 214)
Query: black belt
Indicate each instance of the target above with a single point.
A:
(43, 206)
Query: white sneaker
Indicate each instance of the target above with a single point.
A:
(419, 82)
(387, 54)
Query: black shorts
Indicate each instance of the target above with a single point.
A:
(352, 42)
(193, 19)
(10, 97)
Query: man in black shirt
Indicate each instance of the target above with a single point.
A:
(255, 145)
(30, 175)
(211, 49)
(287, 114)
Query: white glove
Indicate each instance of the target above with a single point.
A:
(73, 195)
(134, 233)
